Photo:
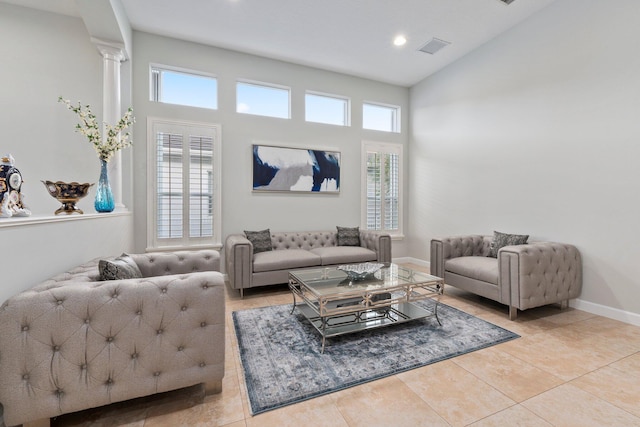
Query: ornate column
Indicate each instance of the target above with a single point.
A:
(112, 55)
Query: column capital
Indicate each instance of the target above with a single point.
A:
(110, 50)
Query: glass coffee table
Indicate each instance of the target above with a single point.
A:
(336, 305)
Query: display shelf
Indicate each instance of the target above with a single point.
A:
(45, 219)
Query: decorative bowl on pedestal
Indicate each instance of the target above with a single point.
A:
(67, 193)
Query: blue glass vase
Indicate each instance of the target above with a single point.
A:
(104, 197)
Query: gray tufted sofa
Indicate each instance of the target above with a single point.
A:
(74, 342)
(293, 250)
(522, 276)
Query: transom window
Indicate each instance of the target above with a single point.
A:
(173, 86)
(381, 117)
(263, 99)
(329, 109)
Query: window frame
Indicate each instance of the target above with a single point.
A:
(347, 107)
(154, 243)
(267, 86)
(155, 89)
(383, 148)
(395, 121)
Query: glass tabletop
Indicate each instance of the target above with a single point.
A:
(331, 281)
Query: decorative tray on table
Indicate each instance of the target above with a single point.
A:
(360, 271)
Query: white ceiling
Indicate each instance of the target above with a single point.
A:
(348, 36)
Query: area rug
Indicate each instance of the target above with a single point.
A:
(282, 363)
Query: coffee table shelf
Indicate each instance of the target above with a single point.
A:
(336, 306)
(337, 325)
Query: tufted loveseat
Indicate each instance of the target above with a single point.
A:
(522, 276)
(74, 342)
(293, 250)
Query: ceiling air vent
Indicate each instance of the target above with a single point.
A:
(507, 1)
(434, 45)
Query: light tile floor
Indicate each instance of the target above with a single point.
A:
(569, 368)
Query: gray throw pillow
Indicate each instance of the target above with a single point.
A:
(501, 240)
(261, 240)
(122, 267)
(348, 236)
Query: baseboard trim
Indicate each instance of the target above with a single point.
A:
(603, 310)
(411, 260)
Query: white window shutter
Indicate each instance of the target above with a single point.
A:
(382, 182)
(185, 180)
(201, 186)
(169, 189)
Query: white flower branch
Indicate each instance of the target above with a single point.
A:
(115, 140)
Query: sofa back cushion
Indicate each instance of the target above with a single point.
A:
(303, 240)
(177, 262)
(471, 245)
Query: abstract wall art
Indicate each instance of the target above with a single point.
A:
(295, 169)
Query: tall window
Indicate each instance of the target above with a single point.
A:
(184, 174)
(382, 187)
(329, 109)
(263, 99)
(173, 86)
(381, 117)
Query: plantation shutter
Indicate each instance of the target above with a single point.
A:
(374, 191)
(201, 186)
(186, 203)
(382, 189)
(169, 186)
(392, 196)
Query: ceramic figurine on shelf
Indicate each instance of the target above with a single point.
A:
(11, 199)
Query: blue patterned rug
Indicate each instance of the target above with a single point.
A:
(282, 363)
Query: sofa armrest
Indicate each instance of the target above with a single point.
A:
(75, 345)
(180, 262)
(445, 248)
(377, 241)
(436, 257)
(238, 256)
(539, 273)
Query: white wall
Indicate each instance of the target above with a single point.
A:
(537, 132)
(242, 209)
(43, 56)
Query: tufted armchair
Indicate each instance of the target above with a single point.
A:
(74, 342)
(522, 276)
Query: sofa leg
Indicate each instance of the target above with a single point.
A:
(513, 312)
(212, 387)
(564, 304)
(44, 422)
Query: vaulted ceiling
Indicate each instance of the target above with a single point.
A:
(348, 36)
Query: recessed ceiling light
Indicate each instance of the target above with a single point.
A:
(400, 40)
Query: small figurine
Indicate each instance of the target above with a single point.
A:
(11, 199)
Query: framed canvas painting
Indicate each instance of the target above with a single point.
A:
(295, 169)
